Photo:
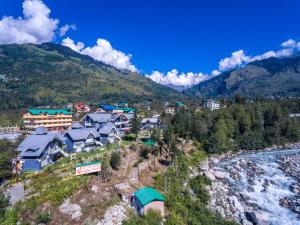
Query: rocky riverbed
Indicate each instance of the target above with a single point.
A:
(257, 187)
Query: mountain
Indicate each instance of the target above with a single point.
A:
(50, 74)
(273, 77)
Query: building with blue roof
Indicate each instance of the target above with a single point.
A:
(109, 134)
(81, 139)
(120, 120)
(39, 149)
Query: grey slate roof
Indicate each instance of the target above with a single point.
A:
(76, 125)
(35, 144)
(40, 131)
(151, 120)
(129, 115)
(107, 129)
(108, 117)
(100, 117)
(82, 134)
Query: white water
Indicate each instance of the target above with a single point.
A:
(267, 201)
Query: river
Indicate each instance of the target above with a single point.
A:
(258, 188)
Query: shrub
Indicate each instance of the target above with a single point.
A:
(43, 217)
(3, 205)
(115, 160)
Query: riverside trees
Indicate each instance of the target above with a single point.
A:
(241, 126)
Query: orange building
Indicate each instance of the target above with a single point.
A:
(52, 119)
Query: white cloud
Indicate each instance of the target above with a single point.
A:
(177, 79)
(236, 59)
(64, 29)
(35, 27)
(239, 58)
(289, 43)
(104, 52)
(215, 72)
(71, 44)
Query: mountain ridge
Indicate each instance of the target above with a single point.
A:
(49, 73)
(272, 77)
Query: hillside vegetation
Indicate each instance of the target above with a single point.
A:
(271, 77)
(51, 74)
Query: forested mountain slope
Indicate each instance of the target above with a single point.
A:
(50, 74)
(273, 77)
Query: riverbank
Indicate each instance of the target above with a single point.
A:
(257, 187)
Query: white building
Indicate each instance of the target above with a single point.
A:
(212, 104)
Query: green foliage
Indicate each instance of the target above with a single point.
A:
(115, 160)
(10, 217)
(4, 202)
(151, 218)
(197, 185)
(241, 126)
(135, 124)
(181, 207)
(7, 153)
(43, 217)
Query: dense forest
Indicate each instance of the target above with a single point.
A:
(241, 126)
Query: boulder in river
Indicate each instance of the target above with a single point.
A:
(259, 217)
(236, 203)
(219, 174)
(210, 175)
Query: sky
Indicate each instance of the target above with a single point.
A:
(178, 42)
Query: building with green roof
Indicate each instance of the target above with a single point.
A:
(51, 119)
(147, 198)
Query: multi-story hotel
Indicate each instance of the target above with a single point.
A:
(212, 104)
(52, 119)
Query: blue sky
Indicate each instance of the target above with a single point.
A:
(189, 36)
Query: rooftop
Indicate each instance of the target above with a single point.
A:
(147, 194)
(49, 111)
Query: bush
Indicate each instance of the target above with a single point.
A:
(43, 217)
(3, 205)
(115, 160)
(197, 185)
(151, 218)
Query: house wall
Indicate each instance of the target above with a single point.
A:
(31, 165)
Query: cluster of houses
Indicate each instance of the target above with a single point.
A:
(53, 133)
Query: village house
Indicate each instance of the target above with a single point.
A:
(39, 149)
(179, 105)
(81, 139)
(52, 119)
(82, 107)
(170, 110)
(212, 104)
(120, 120)
(117, 109)
(150, 123)
(109, 134)
(10, 133)
(147, 198)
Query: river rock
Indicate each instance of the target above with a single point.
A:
(219, 174)
(95, 188)
(215, 160)
(204, 167)
(259, 217)
(74, 210)
(236, 203)
(210, 175)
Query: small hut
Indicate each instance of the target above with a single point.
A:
(147, 198)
